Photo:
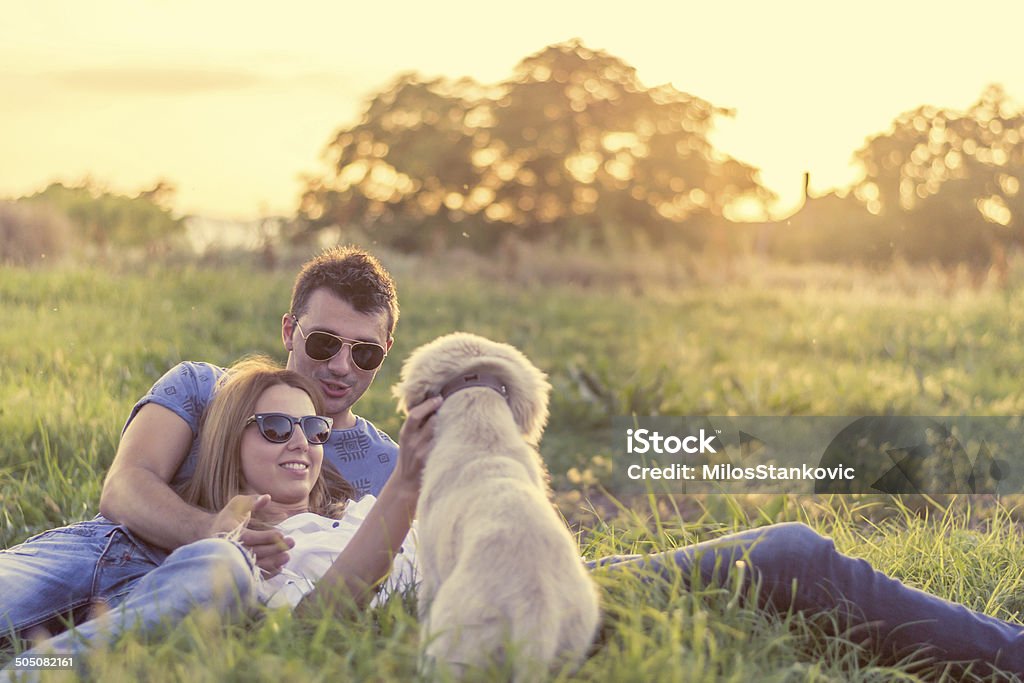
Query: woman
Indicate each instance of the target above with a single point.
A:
(261, 463)
(254, 421)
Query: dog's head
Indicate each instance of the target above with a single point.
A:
(435, 365)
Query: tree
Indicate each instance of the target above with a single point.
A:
(580, 137)
(111, 220)
(949, 182)
(572, 146)
(403, 165)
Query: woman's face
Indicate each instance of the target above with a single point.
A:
(287, 471)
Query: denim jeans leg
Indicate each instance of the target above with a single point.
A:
(50, 575)
(126, 560)
(213, 573)
(800, 570)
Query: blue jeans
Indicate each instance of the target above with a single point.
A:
(65, 571)
(213, 573)
(798, 569)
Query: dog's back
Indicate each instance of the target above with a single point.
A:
(503, 581)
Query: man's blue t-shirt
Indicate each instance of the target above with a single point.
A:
(363, 454)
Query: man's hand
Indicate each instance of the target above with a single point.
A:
(269, 546)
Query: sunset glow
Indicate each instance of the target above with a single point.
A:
(232, 104)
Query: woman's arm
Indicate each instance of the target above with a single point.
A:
(353, 578)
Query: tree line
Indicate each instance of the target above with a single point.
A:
(572, 147)
(87, 219)
(574, 150)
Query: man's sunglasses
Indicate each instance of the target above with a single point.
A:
(325, 346)
(278, 427)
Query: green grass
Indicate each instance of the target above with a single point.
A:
(80, 345)
(653, 631)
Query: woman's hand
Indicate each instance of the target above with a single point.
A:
(414, 443)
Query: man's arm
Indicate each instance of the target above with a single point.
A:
(137, 492)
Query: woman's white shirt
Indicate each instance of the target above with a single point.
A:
(318, 541)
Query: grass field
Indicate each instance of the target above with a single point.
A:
(617, 337)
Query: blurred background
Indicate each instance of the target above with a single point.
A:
(878, 135)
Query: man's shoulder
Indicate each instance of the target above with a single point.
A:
(197, 371)
(373, 432)
(354, 443)
(191, 376)
(185, 389)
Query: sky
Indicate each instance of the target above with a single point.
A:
(233, 102)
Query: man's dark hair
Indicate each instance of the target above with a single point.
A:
(354, 276)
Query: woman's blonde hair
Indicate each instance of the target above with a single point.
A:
(218, 476)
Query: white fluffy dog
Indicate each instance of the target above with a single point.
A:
(502, 578)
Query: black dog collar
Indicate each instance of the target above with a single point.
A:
(473, 379)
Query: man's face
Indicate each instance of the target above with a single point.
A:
(340, 380)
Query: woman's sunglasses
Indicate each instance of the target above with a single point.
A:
(325, 346)
(278, 427)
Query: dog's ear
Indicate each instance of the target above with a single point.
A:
(528, 391)
(428, 367)
(407, 391)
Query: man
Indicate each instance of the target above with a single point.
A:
(338, 331)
